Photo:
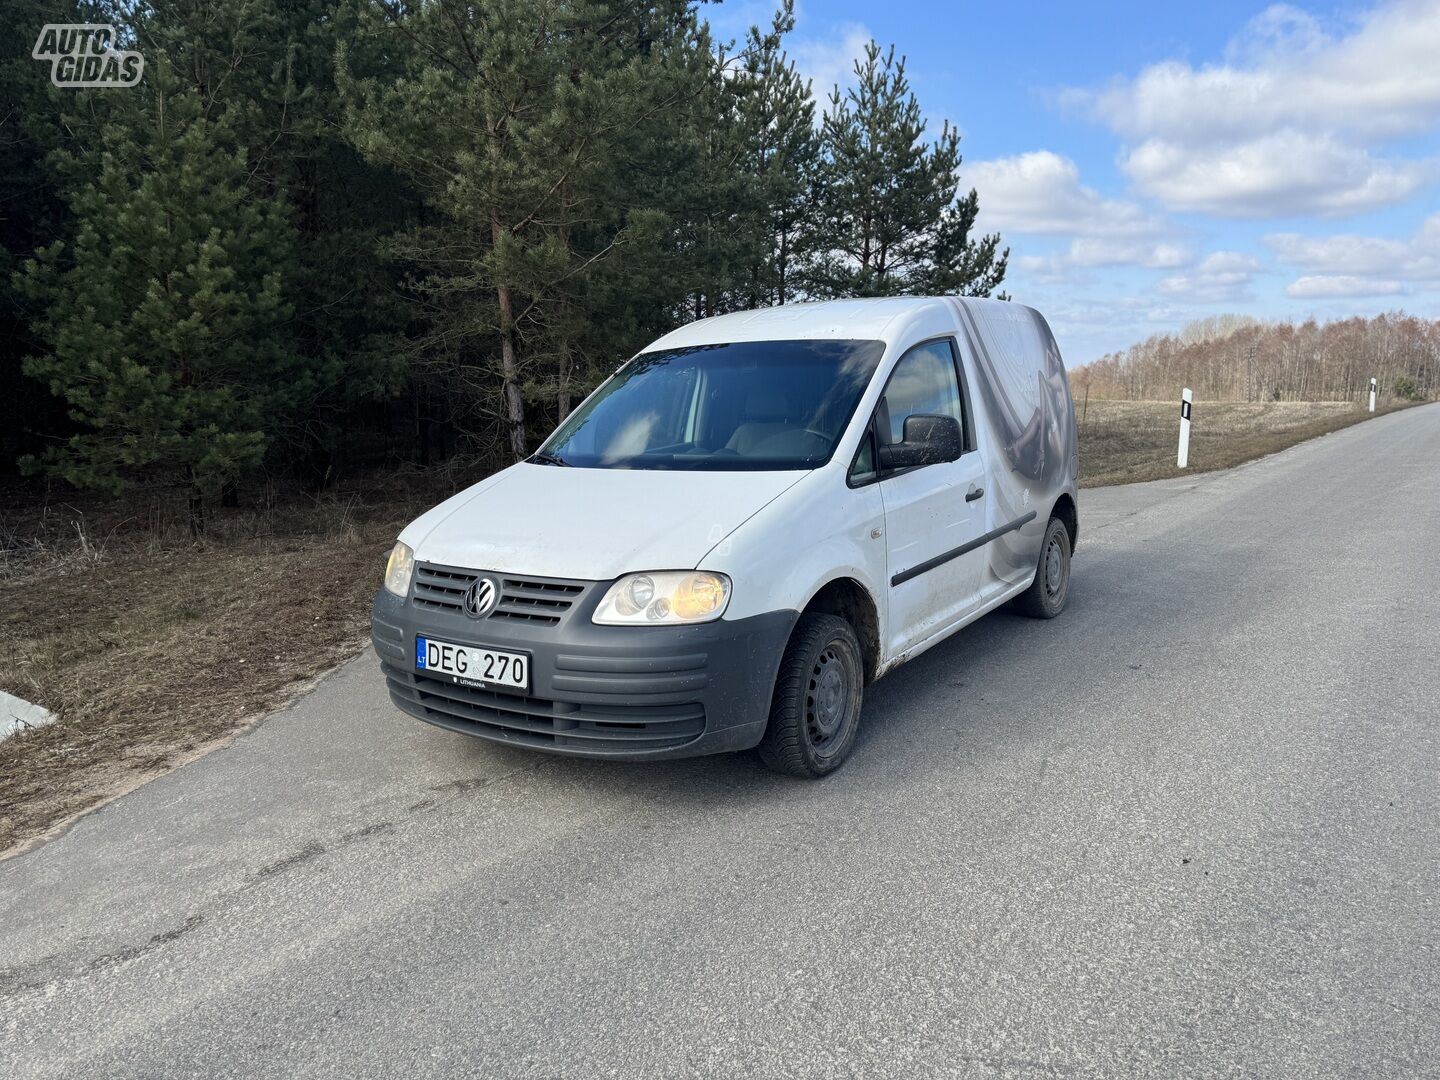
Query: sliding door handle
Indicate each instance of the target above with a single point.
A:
(974, 493)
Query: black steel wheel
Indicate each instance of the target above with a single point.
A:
(1047, 594)
(815, 713)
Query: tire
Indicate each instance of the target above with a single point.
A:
(1047, 593)
(815, 713)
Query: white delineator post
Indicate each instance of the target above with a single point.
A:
(1183, 458)
(1372, 395)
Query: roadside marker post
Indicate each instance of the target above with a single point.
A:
(1183, 457)
(1372, 394)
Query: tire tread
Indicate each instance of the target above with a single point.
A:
(782, 749)
(1033, 601)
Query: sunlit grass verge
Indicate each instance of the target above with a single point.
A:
(1124, 442)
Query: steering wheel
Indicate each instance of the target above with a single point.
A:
(819, 435)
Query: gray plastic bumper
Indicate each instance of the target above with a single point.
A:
(634, 693)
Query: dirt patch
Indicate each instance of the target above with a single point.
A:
(152, 648)
(145, 662)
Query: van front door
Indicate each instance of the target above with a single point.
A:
(932, 512)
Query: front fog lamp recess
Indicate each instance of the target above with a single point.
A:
(665, 597)
(399, 569)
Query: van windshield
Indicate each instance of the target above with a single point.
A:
(753, 405)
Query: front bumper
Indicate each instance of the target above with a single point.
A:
(621, 692)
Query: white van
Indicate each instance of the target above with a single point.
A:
(742, 527)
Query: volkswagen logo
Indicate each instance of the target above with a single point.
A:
(481, 597)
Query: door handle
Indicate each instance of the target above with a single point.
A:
(974, 493)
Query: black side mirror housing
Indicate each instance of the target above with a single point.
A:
(929, 440)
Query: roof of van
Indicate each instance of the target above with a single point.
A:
(878, 319)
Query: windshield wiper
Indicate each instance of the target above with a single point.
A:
(543, 458)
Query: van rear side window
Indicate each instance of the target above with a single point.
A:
(757, 405)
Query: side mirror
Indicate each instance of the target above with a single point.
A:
(929, 440)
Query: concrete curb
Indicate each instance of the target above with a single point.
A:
(17, 715)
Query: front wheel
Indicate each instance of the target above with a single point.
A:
(1046, 596)
(815, 713)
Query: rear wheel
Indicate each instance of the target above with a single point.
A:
(1047, 594)
(815, 713)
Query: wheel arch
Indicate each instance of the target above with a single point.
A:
(1067, 512)
(848, 599)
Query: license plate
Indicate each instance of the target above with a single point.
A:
(473, 665)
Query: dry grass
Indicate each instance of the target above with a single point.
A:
(151, 647)
(1123, 442)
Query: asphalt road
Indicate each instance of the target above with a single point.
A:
(1191, 828)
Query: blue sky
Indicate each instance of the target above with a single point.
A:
(1150, 164)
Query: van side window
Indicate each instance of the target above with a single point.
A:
(923, 381)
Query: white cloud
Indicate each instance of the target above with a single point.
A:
(1291, 123)
(1221, 277)
(1363, 256)
(1085, 253)
(1043, 270)
(1155, 255)
(1345, 252)
(829, 62)
(1277, 175)
(1040, 194)
(1230, 262)
(1381, 81)
(1331, 286)
(1277, 31)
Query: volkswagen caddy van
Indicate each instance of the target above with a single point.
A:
(739, 530)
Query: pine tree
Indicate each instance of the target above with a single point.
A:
(270, 65)
(777, 113)
(716, 192)
(514, 120)
(167, 325)
(889, 203)
(31, 213)
(740, 163)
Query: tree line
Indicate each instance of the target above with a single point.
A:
(322, 235)
(1238, 358)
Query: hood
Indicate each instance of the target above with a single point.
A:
(590, 524)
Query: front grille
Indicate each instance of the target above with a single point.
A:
(440, 589)
(539, 722)
(534, 600)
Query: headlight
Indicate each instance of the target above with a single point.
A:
(664, 597)
(399, 569)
